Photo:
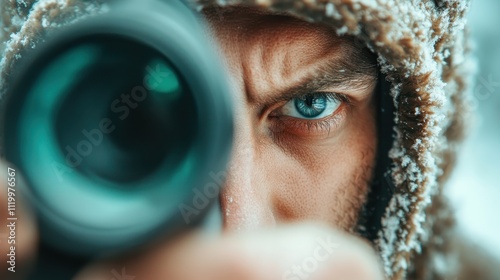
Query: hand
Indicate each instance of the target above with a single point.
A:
(293, 252)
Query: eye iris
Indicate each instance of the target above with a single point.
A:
(311, 106)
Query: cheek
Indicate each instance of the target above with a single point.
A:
(325, 181)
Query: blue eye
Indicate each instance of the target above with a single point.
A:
(311, 106)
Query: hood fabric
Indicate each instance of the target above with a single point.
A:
(422, 51)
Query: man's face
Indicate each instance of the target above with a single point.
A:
(305, 121)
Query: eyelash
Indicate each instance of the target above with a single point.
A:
(311, 127)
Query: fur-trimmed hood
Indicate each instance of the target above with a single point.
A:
(422, 51)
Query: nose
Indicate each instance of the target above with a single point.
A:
(246, 198)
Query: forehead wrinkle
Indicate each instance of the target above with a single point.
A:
(308, 57)
(272, 65)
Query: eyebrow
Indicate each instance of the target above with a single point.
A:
(354, 71)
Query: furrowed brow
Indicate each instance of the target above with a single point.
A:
(346, 75)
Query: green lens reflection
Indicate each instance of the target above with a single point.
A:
(161, 78)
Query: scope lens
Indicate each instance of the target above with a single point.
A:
(124, 109)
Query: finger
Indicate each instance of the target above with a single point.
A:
(291, 253)
(18, 230)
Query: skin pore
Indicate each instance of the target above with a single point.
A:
(286, 166)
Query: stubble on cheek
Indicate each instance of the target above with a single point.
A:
(353, 195)
(330, 198)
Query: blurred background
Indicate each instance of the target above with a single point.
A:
(475, 186)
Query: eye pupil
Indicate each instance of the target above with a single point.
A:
(309, 100)
(311, 106)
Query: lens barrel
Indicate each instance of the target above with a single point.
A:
(116, 122)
